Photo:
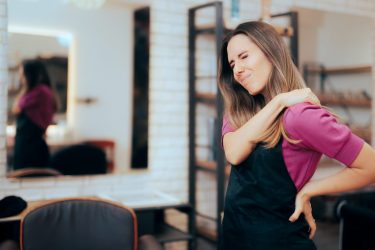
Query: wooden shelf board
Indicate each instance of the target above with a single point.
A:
(341, 70)
(210, 29)
(167, 233)
(207, 233)
(284, 31)
(364, 133)
(205, 77)
(338, 99)
(207, 98)
(210, 166)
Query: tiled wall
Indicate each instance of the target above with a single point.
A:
(168, 137)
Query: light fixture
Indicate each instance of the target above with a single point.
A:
(88, 4)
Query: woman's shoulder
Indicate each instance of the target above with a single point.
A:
(42, 90)
(301, 108)
(302, 111)
(305, 116)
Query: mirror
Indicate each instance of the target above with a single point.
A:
(52, 51)
(97, 106)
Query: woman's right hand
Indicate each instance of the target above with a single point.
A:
(298, 96)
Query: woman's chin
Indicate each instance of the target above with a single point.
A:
(253, 92)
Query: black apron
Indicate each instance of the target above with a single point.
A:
(260, 199)
(30, 148)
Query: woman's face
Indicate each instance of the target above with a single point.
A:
(251, 68)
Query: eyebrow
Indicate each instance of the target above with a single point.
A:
(239, 55)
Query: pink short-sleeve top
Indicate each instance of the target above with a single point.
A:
(318, 133)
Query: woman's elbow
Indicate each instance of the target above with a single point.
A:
(364, 163)
(234, 159)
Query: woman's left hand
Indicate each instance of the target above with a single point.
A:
(303, 205)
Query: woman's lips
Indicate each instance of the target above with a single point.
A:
(244, 78)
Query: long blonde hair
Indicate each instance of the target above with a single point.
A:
(239, 105)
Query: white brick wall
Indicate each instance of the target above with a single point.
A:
(168, 138)
(3, 84)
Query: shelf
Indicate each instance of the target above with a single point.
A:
(345, 99)
(284, 31)
(205, 77)
(207, 98)
(340, 70)
(166, 233)
(210, 29)
(210, 166)
(363, 132)
(207, 233)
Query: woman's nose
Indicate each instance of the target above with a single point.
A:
(238, 69)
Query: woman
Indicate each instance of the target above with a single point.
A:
(274, 151)
(34, 107)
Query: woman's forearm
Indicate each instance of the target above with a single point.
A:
(240, 143)
(360, 174)
(16, 108)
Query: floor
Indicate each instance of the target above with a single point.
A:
(326, 238)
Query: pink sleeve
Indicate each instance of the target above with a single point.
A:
(318, 130)
(30, 99)
(226, 128)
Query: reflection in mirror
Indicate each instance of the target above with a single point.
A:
(100, 80)
(37, 95)
(53, 52)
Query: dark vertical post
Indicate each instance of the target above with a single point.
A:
(294, 38)
(192, 111)
(219, 33)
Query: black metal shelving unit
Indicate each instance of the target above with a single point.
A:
(217, 166)
(214, 100)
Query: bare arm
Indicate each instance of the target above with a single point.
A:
(239, 144)
(16, 108)
(360, 174)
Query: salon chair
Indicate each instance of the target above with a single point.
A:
(79, 159)
(81, 224)
(357, 221)
(33, 172)
(108, 146)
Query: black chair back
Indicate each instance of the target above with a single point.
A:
(79, 224)
(357, 221)
(80, 159)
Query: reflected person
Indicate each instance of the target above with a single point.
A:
(34, 108)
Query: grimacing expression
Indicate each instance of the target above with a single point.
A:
(251, 68)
